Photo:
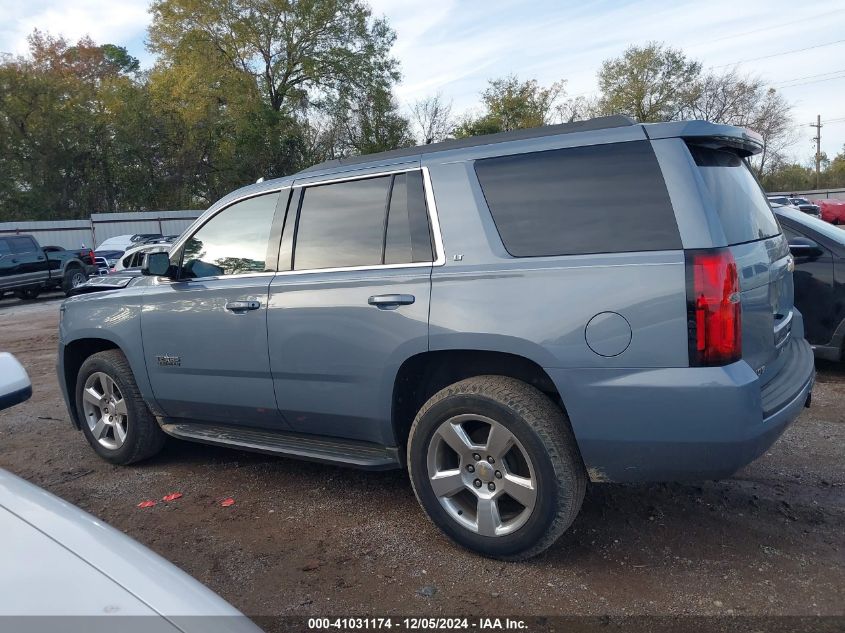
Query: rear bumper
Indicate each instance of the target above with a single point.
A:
(682, 423)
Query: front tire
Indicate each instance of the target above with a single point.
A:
(494, 464)
(28, 294)
(113, 415)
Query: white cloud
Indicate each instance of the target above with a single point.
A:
(454, 47)
(112, 21)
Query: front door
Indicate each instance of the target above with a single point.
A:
(21, 262)
(354, 305)
(205, 333)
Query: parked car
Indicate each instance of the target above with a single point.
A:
(28, 270)
(819, 278)
(832, 211)
(796, 203)
(64, 562)
(141, 238)
(116, 243)
(806, 206)
(134, 257)
(782, 200)
(478, 311)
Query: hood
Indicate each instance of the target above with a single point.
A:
(67, 562)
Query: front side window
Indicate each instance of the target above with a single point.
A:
(233, 242)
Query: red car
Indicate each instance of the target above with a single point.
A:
(833, 211)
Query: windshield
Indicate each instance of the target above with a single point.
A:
(740, 202)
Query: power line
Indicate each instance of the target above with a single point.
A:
(768, 28)
(797, 50)
(832, 72)
(816, 81)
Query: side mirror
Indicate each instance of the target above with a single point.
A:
(805, 247)
(157, 265)
(14, 381)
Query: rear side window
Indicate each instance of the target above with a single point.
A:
(367, 222)
(342, 224)
(408, 236)
(595, 199)
(4, 247)
(744, 212)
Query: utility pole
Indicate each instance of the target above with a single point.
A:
(818, 139)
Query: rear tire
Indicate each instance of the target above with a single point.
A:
(113, 415)
(494, 464)
(73, 277)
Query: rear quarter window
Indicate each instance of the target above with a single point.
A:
(594, 199)
(741, 204)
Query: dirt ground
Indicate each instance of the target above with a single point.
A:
(308, 539)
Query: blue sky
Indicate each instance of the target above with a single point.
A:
(453, 47)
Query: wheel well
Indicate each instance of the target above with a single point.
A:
(75, 354)
(423, 375)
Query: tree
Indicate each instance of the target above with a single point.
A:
(772, 120)
(512, 104)
(360, 123)
(745, 101)
(220, 132)
(649, 83)
(64, 148)
(432, 119)
(295, 49)
(834, 174)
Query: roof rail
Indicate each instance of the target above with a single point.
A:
(599, 123)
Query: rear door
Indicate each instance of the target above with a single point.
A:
(352, 304)
(761, 253)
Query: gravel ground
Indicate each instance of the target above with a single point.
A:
(308, 539)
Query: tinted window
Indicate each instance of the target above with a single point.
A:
(23, 245)
(4, 247)
(596, 199)
(342, 224)
(408, 235)
(233, 242)
(738, 199)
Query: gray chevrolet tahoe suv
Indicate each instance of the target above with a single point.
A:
(506, 316)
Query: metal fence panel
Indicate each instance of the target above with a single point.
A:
(73, 234)
(814, 194)
(108, 225)
(70, 234)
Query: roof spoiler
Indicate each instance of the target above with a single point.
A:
(739, 140)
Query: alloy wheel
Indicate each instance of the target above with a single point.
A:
(105, 410)
(482, 475)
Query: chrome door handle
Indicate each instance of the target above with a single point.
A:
(242, 306)
(391, 302)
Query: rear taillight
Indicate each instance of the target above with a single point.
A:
(713, 308)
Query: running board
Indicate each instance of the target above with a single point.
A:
(318, 449)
